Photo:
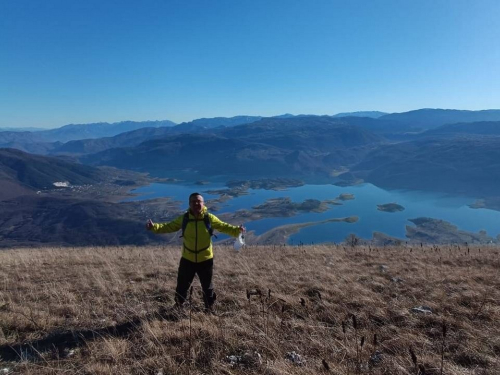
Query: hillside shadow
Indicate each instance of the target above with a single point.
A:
(59, 344)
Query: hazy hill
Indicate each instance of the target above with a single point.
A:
(473, 128)
(20, 169)
(127, 139)
(372, 114)
(22, 140)
(204, 154)
(222, 121)
(28, 129)
(431, 118)
(322, 134)
(18, 139)
(469, 166)
(387, 128)
(32, 146)
(98, 130)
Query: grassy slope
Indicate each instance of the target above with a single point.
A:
(47, 292)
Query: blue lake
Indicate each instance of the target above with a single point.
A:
(367, 196)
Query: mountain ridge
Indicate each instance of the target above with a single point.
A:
(266, 146)
(394, 126)
(429, 118)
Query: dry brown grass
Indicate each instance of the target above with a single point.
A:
(63, 304)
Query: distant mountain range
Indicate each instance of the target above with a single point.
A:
(133, 138)
(431, 149)
(393, 126)
(269, 147)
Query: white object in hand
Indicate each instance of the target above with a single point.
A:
(239, 242)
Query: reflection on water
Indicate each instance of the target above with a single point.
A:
(367, 196)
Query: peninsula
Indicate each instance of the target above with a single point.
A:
(280, 235)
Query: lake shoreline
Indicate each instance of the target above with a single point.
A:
(287, 208)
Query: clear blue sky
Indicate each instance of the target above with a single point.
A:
(81, 61)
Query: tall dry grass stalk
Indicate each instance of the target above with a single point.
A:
(443, 342)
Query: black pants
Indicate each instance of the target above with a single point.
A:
(185, 276)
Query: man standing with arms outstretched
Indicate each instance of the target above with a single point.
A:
(197, 225)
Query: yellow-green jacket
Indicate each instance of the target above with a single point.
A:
(197, 243)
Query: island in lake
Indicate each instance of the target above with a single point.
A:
(390, 207)
(202, 182)
(490, 203)
(439, 231)
(265, 183)
(282, 207)
(237, 188)
(345, 197)
(434, 231)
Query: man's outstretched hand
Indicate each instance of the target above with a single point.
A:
(149, 224)
(242, 229)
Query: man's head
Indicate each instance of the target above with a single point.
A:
(196, 204)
